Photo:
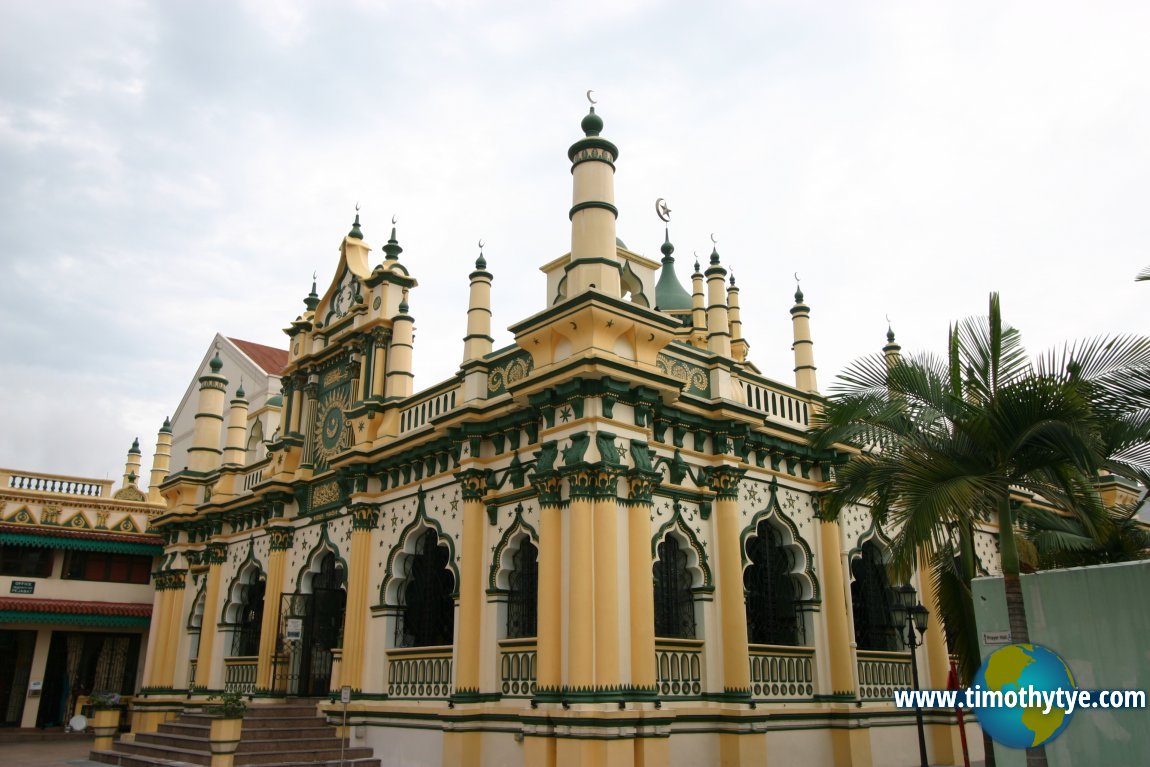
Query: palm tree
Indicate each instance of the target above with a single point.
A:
(945, 443)
(1143, 275)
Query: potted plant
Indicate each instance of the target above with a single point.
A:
(105, 717)
(226, 726)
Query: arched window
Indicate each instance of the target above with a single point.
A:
(428, 614)
(522, 597)
(246, 640)
(873, 601)
(674, 602)
(773, 614)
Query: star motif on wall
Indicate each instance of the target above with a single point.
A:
(790, 503)
(610, 323)
(622, 451)
(565, 414)
(753, 494)
(455, 504)
(361, 425)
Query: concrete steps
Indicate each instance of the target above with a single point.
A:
(274, 735)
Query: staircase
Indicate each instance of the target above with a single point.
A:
(283, 735)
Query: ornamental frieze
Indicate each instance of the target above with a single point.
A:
(280, 538)
(694, 378)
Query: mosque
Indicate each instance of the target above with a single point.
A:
(596, 546)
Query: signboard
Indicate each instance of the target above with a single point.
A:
(345, 694)
(22, 587)
(294, 629)
(996, 637)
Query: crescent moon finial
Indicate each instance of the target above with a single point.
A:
(593, 101)
(714, 240)
(796, 277)
(481, 243)
(357, 206)
(662, 211)
(394, 219)
(888, 319)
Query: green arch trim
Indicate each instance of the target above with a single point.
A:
(773, 512)
(677, 523)
(319, 546)
(518, 525)
(419, 522)
(201, 593)
(250, 559)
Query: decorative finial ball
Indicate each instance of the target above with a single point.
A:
(667, 248)
(592, 124)
(216, 364)
(798, 295)
(403, 307)
(889, 335)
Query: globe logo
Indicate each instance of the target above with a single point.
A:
(1021, 667)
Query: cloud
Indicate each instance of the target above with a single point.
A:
(174, 169)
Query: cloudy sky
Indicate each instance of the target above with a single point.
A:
(173, 169)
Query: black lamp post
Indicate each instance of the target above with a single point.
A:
(916, 617)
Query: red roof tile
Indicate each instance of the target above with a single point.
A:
(76, 606)
(271, 359)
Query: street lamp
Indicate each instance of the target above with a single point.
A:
(915, 617)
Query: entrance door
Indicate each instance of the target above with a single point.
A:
(17, 648)
(310, 628)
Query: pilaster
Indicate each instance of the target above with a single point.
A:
(280, 543)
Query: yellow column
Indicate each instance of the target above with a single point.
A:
(642, 611)
(364, 519)
(851, 745)
(718, 318)
(161, 461)
(549, 631)
(379, 338)
(944, 739)
(606, 585)
(594, 260)
(166, 620)
(581, 584)
(732, 604)
(471, 582)
(280, 539)
(804, 346)
(215, 554)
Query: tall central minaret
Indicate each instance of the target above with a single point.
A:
(593, 261)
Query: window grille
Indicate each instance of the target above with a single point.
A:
(427, 616)
(873, 601)
(246, 641)
(522, 599)
(674, 601)
(773, 605)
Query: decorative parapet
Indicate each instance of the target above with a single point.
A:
(419, 673)
(782, 673)
(881, 673)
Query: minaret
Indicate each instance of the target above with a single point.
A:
(478, 341)
(235, 450)
(132, 464)
(892, 351)
(803, 346)
(738, 345)
(594, 263)
(204, 454)
(718, 319)
(698, 309)
(399, 375)
(161, 461)
(355, 250)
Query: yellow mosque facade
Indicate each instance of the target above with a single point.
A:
(597, 546)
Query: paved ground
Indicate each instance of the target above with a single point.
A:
(71, 752)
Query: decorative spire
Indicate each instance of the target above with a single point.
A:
(670, 296)
(889, 334)
(240, 391)
(312, 300)
(798, 290)
(167, 427)
(481, 262)
(392, 248)
(216, 364)
(135, 448)
(592, 124)
(355, 233)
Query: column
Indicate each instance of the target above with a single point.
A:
(215, 554)
(471, 582)
(851, 745)
(944, 745)
(638, 503)
(364, 519)
(549, 631)
(379, 339)
(307, 419)
(581, 582)
(280, 543)
(606, 579)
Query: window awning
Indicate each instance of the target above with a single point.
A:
(75, 612)
(13, 535)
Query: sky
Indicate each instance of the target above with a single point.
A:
(173, 169)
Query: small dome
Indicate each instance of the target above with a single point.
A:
(620, 244)
(275, 401)
(216, 364)
(592, 124)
